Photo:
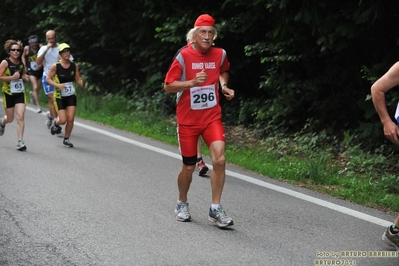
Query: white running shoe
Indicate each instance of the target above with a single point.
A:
(220, 217)
(21, 146)
(182, 212)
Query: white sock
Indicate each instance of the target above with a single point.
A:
(215, 206)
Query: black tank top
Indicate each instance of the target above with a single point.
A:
(31, 61)
(65, 74)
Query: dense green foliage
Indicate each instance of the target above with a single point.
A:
(297, 66)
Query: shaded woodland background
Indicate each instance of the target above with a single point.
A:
(296, 66)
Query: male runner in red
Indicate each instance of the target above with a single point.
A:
(195, 75)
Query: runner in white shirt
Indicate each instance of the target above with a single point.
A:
(47, 56)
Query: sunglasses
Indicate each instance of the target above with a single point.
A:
(15, 50)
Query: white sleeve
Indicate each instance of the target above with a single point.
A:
(41, 50)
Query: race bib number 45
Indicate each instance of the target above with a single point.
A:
(17, 86)
(203, 97)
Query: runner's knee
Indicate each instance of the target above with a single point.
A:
(189, 160)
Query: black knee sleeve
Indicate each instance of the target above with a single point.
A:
(190, 160)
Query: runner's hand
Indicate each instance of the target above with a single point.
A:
(16, 75)
(391, 131)
(228, 93)
(200, 77)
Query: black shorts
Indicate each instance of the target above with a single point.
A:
(37, 73)
(9, 101)
(64, 102)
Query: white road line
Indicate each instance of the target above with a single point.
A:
(323, 203)
(314, 200)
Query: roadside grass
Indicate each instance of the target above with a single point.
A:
(316, 172)
(351, 175)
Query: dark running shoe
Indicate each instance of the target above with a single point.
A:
(391, 239)
(202, 168)
(55, 129)
(67, 143)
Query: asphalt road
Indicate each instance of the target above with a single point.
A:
(110, 201)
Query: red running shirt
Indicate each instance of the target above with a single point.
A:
(198, 105)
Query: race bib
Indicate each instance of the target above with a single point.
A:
(203, 97)
(68, 90)
(17, 86)
(33, 66)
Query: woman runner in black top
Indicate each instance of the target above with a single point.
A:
(62, 76)
(12, 75)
